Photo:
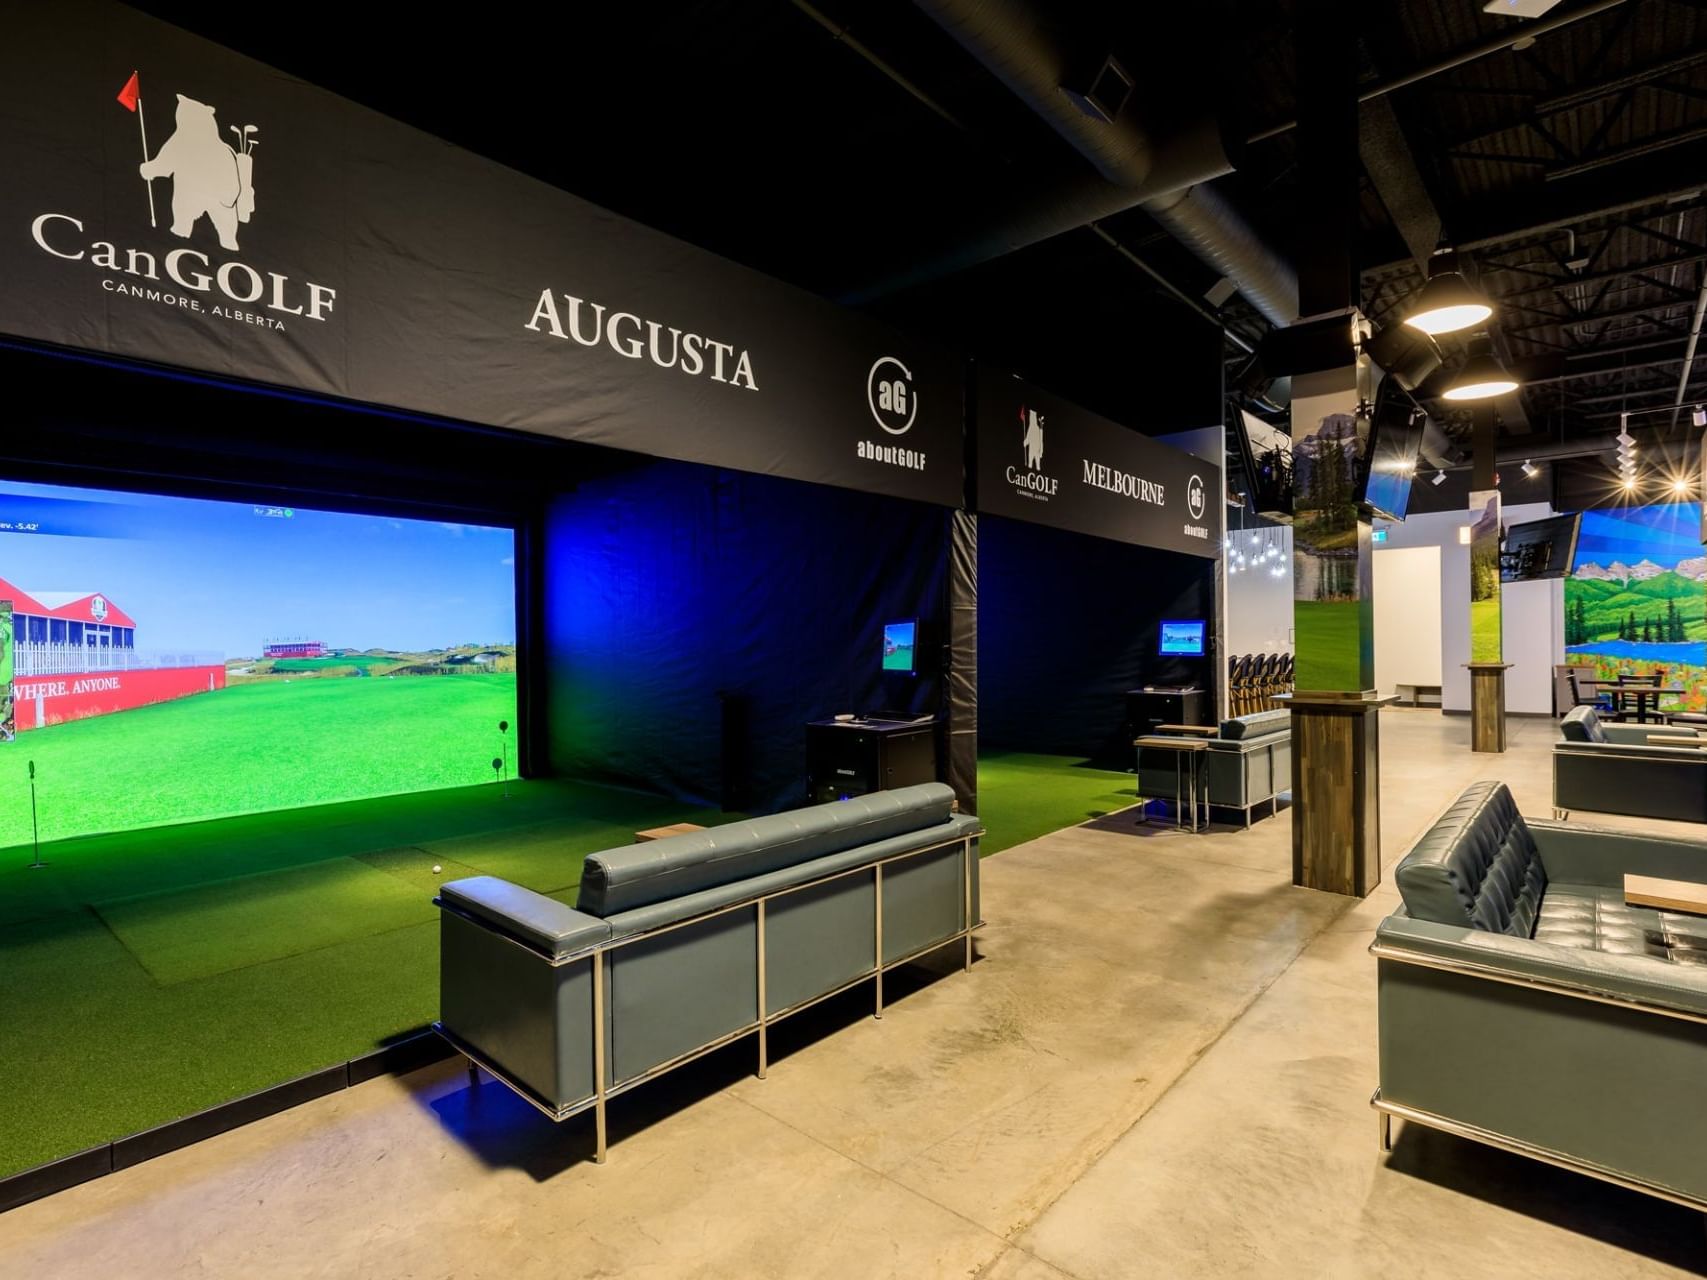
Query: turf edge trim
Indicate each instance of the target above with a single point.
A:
(397, 1058)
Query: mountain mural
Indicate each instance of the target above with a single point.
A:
(1636, 599)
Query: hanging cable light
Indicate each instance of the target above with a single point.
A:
(1482, 376)
(1447, 303)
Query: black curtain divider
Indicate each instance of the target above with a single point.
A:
(962, 691)
(1067, 623)
(696, 619)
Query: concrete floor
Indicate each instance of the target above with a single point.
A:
(1160, 1066)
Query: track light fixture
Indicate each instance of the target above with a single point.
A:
(1482, 376)
(1699, 416)
(1439, 478)
(1447, 303)
(1530, 470)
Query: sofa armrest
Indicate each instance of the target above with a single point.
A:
(542, 923)
(1638, 981)
(1576, 854)
(1637, 735)
(1630, 751)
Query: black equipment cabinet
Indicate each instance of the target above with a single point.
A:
(856, 757)
(1165, 704)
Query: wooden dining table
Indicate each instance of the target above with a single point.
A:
(1646, 697)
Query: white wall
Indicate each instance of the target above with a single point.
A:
(1407, 617)
(1532, 613)
(1259, 605)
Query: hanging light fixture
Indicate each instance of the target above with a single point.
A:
(1447, 302)
(1482, 376)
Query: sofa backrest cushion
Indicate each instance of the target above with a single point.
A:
(1256, 724)
(1477, 866)
(1582, 725)
(639, 875)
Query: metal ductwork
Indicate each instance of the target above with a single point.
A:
(1164, 174)
(1205, 223)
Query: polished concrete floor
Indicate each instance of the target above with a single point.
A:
(1160, 1066)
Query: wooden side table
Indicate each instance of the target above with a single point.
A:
(1687, 896)
(664, 833)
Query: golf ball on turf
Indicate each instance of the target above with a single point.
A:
(435, 868)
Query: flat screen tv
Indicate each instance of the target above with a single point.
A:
(1182, 639)
(1540, 549)
(1395, 437)
(901, 646)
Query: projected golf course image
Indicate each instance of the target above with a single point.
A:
(152, 687)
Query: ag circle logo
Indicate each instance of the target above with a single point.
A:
(1194, 497)
(889, 392)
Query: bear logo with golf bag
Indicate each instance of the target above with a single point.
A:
(209, 176)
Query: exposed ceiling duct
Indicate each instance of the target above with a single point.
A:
(1163, 173)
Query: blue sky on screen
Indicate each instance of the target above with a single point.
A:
(218, 576)
(1664, 534)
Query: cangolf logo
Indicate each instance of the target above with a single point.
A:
(212, 179)
(1032, 482)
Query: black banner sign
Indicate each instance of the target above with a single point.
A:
(1048, 461)
(170, 201)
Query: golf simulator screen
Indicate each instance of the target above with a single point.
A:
(174, 659)
(900, 646)
(1182, 639)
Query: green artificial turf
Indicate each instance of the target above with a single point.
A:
(150, 974)
(1021, 797)
(196, 933)
(252, 747)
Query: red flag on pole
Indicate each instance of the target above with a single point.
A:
(130, 93)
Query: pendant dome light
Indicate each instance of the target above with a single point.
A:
(1482, 376)
(1447, 303)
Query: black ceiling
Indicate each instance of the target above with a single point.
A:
(827, 142)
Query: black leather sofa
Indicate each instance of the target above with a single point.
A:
(1614, 768)
(1523, 1004)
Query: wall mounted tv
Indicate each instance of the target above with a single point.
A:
(1390, 455)
(901, 647)
(179, 659)
(1181, 639)
(1540, 549)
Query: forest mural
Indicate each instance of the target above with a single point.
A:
(1636, 600)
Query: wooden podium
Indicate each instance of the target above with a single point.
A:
(1487, 705)
(1336, 781)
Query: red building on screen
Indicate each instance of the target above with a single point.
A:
(75, 655)
(295, 649)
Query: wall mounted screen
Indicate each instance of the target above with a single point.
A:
(1182, 639)
(177, 659)
(901, 646)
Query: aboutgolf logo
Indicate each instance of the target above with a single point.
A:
(213, 185)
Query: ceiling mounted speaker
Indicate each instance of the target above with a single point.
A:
(1410, 356)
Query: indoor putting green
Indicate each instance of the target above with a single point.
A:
(1021, 797)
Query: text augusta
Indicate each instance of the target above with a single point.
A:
(636, 339)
